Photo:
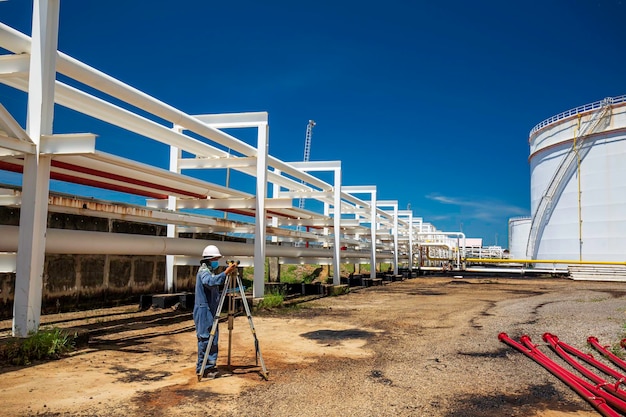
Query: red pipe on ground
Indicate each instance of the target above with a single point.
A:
(597, 402)
(587, 357)
(601, 383)
(612, 400)
(593, 341)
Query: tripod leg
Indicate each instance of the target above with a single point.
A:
(264, 372)
(231, 320)
(213, 328)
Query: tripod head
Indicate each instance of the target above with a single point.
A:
(234, 271)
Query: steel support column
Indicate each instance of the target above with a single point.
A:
(409, 213)
(258, 287)
(275, 193)
(36, 176)
(334, 166)
(337, 226)
(170, 260)
(393, 204)
(371, 190)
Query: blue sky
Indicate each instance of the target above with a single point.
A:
(432, 102)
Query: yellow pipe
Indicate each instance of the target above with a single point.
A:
(543, 261)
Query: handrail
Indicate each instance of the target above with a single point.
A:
(577, 110)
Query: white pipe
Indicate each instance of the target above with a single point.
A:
(61, 241)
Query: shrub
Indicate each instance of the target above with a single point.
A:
(44, 344)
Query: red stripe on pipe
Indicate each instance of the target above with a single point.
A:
(104, 185)
(108, 175)
(7, 166)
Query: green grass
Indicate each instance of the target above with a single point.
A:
(272, 300)
(50, 343)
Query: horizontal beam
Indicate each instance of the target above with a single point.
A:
(77, 143)
(316, 165)
(359, 189)
(352, 210)
(318, 195)
(222, 204)
(234, 120)
(321, 222)
(12, 65)
(228, 162)
(12, 146)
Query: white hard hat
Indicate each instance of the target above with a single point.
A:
(211, 252)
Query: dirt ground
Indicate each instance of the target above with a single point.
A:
(422, 347)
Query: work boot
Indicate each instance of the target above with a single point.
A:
(211, 373)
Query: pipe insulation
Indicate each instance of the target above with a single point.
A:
(78, 242)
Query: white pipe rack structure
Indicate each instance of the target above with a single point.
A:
(350, 229)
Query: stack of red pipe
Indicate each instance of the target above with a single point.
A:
(608, 398)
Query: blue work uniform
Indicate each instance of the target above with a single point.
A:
(207, 298)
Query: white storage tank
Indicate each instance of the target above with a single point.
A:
(578, 184)
(519, 228)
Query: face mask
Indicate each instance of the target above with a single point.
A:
(214, 264)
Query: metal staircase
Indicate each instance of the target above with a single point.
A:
(565, 170)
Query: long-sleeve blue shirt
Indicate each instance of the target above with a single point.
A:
(207, 299)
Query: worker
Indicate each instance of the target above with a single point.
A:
(207, 298)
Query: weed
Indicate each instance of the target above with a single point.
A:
(617, 350)
(272, 300)
(44, 344)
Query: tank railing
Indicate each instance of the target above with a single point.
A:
(577, 110)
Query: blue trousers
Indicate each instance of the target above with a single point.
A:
(203, 342)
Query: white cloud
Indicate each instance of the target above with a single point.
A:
(485, 209)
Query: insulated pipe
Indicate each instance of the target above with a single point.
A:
(61, 241)
(566, 377)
